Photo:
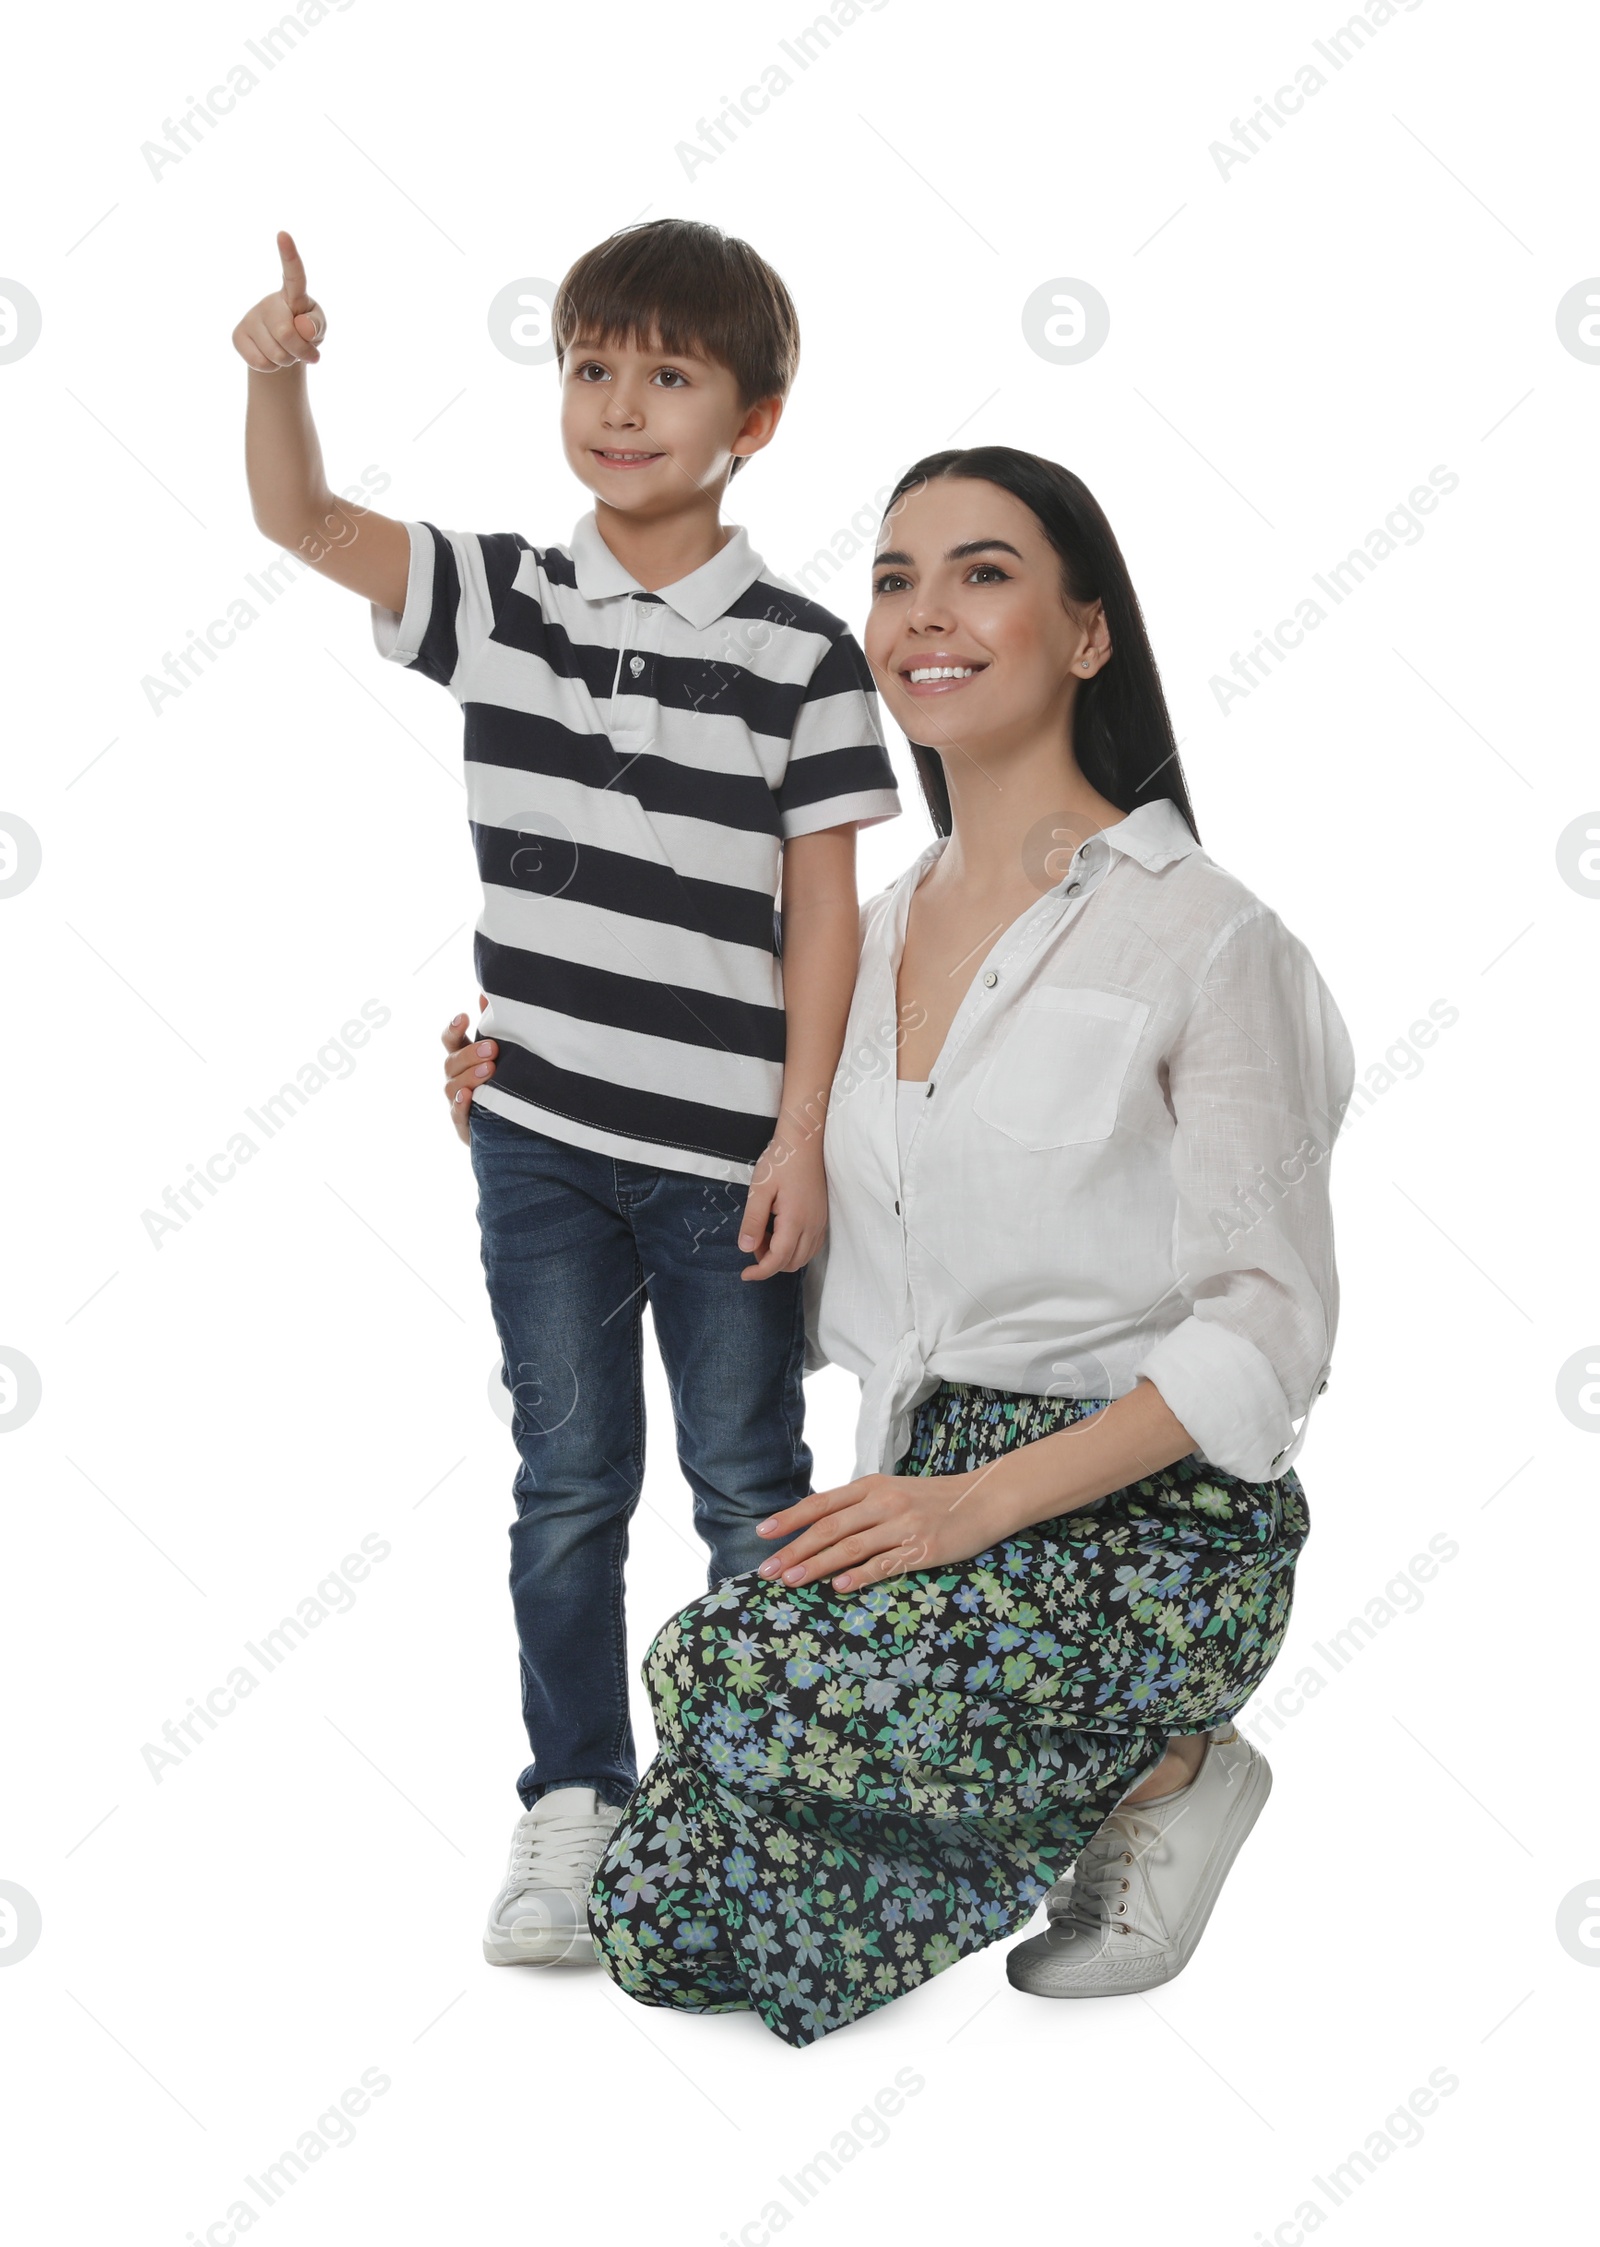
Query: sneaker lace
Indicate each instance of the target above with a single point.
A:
(558, 1850)
(1103, 1891)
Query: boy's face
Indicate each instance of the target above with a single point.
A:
(653, 433)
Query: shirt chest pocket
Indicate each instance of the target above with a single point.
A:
(1057, 1078)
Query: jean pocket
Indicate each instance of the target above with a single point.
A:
(480, 1118)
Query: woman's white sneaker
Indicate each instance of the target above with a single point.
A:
(1143, 1888)
(541, 1915)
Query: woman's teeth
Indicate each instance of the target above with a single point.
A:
(921, 676)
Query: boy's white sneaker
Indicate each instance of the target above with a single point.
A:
(1142, 1891)
(541, 1915)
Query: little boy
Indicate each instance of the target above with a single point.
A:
(656, 731)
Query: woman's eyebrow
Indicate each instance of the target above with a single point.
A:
(960, 553)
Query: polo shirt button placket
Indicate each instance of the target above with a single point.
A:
(633, 728)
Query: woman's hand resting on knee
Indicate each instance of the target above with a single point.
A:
(885, 1525)
(882, 1526)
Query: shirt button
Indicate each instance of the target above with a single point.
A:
(636, 664)
(990, 980)
(1073, 887)
(930, 1088)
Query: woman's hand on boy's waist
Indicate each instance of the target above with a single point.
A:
(468, 1065)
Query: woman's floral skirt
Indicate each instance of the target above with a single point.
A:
(856, 1790)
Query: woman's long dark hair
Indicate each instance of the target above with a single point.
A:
(1121, 732)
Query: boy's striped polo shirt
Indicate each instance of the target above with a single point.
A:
(635, 763)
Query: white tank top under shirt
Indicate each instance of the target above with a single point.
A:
(913, 1092)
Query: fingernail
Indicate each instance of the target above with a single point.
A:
(841, 1583)
(482, 1070)
(794, 1575)
(768, 1568)
(765, 1528)
(746, 1242)
(486, 1047)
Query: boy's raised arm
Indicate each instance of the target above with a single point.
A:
(289, 492)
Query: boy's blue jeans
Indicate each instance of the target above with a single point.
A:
(574, 1245)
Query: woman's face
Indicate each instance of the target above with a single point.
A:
(970, 637)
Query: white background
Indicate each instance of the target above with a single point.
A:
(224, 881)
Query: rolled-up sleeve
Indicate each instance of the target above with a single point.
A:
(1258, 1076)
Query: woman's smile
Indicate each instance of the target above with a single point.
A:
(926, 675)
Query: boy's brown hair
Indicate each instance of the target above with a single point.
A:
(696, 289)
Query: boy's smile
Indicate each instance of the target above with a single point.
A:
(653, 432)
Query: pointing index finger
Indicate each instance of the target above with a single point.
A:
(294, 274)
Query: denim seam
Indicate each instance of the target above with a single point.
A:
(619, 1605)
(794, 1388)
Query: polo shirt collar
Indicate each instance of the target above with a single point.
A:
(700, 598)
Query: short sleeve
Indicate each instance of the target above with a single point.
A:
(441, 614)
(838, 773)
(1259, 1077)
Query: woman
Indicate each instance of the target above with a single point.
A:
(1080, 1256)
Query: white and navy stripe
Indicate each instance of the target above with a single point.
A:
(635, 763)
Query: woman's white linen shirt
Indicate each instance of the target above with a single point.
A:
(1120, 1167)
